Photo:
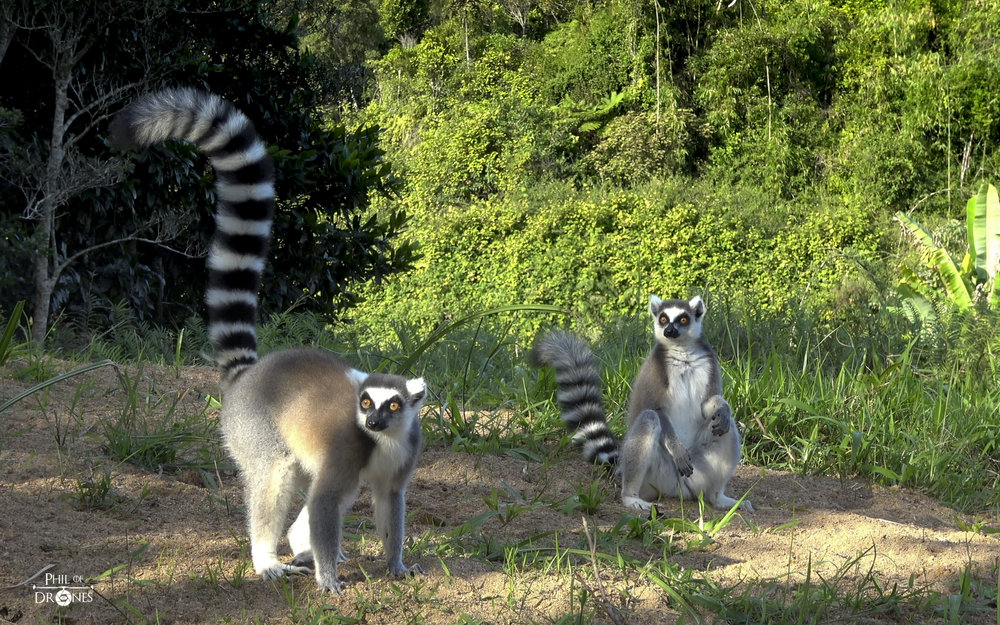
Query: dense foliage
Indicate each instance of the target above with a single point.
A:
(618, 148)
(325, 240)
(580, 154)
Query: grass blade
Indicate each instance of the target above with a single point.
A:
(8, 333)
(56, 379)
(445, 329)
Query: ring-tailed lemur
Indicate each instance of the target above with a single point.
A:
(682, 440)
(297, 417)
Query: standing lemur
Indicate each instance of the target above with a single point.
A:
(297, 417)
(681, 440)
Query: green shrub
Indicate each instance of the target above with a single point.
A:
(917, 104)
(765, 90)
(599, 253)
(635, 149)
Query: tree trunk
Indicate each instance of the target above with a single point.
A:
(42, 298)
(465, 28)
(47, 267)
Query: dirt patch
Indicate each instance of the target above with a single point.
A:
(487, 530)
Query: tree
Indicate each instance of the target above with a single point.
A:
(520, 12)
(104, 242)
(52, 170)
(324, 240)
(342, 35)
(404, 20)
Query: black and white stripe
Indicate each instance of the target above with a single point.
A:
(244, 210)
(579, 393)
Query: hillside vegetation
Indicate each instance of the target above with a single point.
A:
(614, 149)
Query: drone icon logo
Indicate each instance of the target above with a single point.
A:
(57, 590)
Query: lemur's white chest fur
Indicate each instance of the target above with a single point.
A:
(688, 375)
(391, 454)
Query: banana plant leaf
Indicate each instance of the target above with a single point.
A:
(955, 285)
(983, 226)
(922, 307)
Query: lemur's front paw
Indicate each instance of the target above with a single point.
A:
(721, 422)
(330, 582)
(304, 559)
(278, 570)
(307, 559)
(718, 411)
(683, 463)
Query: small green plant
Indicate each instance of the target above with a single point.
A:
(9, 349)
(507, 511)
(95, 492)
(65, 424)
(149, 432)
(587, 500)
(215, 573)
(55, 380)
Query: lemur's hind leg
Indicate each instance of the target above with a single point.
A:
(636, 455)
(298, 540)
(652, 461)
(716, 456)
(269, 493)
(330, 495)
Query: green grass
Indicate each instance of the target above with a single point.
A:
(927, 418)
(896, 423)
(149, 431)
(914, 417)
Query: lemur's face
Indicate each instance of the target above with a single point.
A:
(676, 320)
(389, 402)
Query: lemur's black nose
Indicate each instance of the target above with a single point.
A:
(670, 331)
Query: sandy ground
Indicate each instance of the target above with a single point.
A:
(168, 549)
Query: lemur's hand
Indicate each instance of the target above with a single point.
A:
(682, 460)
(721, 421)
(719, 413)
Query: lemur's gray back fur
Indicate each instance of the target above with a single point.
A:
(244, 211)
(579, 394)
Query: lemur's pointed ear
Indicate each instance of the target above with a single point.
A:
(416, 388)
(654, 304)
(698, 306)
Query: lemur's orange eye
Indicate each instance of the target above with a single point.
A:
(683, 320)
(394, 406)
(366, 403)
(664, 320)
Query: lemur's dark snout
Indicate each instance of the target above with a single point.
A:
(670, 331)
(375, 423)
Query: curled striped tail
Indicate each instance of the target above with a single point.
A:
(579, 394)
(244, 210)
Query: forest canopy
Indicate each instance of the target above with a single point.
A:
(582, 154)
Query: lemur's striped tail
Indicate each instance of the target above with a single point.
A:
(245, 206)
(579, 392)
